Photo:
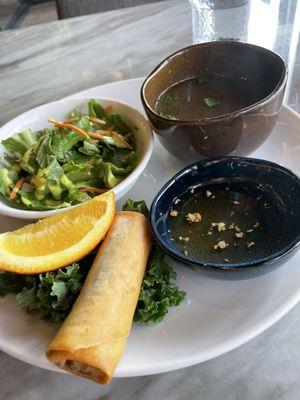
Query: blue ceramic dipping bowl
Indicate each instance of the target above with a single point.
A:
(278, 190)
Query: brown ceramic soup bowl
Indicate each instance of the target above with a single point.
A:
(238, 133)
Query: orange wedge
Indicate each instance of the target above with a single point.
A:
(59, 240)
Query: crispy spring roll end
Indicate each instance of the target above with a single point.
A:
(78, 363)
(91, 341)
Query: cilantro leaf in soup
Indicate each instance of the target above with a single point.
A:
(168, 98)
(210, 102)
(167, 116)
(202, 80)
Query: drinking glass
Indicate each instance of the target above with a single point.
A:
(220, 20)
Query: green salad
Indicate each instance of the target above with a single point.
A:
(70, 163)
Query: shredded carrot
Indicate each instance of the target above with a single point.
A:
(16, 188)
(111, 128)
(67, 121)
(97, 120)
(93, 190)
(32, 183)
(69, 126)
(96, 135)
(99, 132)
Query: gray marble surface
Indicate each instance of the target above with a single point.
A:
(50, 61)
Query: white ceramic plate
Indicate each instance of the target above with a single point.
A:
(217, 315)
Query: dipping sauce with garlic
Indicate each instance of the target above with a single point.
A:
(223, 223)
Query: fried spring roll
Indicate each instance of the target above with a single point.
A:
(92, 339)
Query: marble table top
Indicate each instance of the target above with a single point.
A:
(49, 61)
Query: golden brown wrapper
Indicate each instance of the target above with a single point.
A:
(92, 339)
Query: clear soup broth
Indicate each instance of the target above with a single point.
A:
(208, 96)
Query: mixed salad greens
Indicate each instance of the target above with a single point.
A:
(54, 293)
(75, 160)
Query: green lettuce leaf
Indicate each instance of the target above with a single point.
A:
(113, 175)
(89, 149)
(43, 150)
(110, 178)
(111, 119)
(116, 120)
(95, 110)
(28, 162)
(54, 174)
(130, 159)
(74, 156)
(8, 179)
(83, 123)
(85, 174)
(76, 113)
(41, 188)
(62, 142)
(113, 138)
(38, 201)
(75, 197)
(7, 161)
(20, 142)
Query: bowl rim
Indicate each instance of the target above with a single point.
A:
(280, 84)
(220, 266)
(148, 138)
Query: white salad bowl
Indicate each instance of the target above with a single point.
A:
(37, 119)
